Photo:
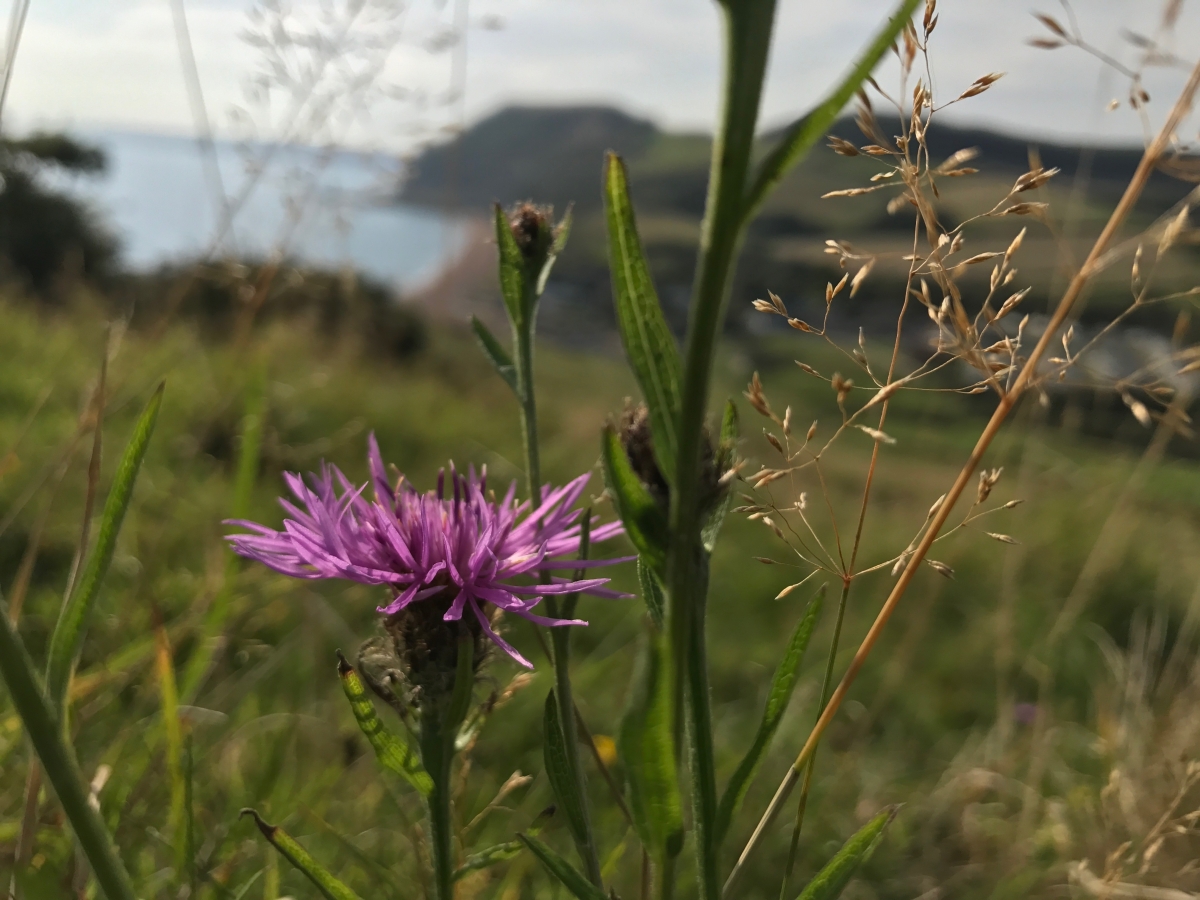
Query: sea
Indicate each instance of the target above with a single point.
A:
(165, 201)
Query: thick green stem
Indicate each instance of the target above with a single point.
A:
(666, 877)
(437, 753)
(748, 25)
(701, 759)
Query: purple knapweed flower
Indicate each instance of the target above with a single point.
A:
(464, 551)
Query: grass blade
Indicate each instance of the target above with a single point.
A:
(558, 771)
(289, 849)
(495, 353)
(647, 747)
(648, 342)
(570, 877)
(169, 695)
(488, 857)
(391, 750)
(811, 127)
(832, 880)
(71, 627)
(248, 458)
(59, 764)
(782, 687)
(645, 522)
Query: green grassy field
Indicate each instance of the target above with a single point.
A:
(993, 806)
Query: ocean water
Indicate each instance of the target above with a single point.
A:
(327, 210)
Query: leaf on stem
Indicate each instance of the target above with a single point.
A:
(783, 684)
(832, 880)
(726, 457)
(648, 342)
(570, 877)
(652, 593)
(644, 520)
(808, 129)
(512, 268)
(289, 849)
(647, 748)
(391, 750)
(558, 771)
(71, 627)
(495, 353)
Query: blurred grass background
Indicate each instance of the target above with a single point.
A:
(999, 796)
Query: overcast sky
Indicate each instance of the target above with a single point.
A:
(96, 63)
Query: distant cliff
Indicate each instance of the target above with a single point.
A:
(554, 155)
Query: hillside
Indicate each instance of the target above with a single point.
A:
(553, 155)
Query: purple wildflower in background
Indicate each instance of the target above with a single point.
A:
(463, 551)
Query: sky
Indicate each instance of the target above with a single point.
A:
(90, 64)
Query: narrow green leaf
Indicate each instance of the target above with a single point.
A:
(647, 748)
(289, 849)
(726, 457)
(810, 127)
(782, 686)
(561, 233)
(651, 593)
(832, 880)
(245, 888)
(558, 770)
(488, 857)
(58, 762)
(644, 520)
(512, 268)
(168, 695)
(495, 353)
(572, 879)
(648, 342)
(392, 751)
(69, 631)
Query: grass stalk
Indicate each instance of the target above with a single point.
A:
(1007, 401)
(826, 686)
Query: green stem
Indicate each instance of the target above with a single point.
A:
(59, 763)
(701, 758)
(523, 344)
(826, 689)
(748, 26)
(666, 877)
(437, 753)
(560, 637)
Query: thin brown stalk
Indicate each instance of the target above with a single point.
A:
(1006, 403)
(96, 420)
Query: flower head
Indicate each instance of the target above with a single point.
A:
(459, 552)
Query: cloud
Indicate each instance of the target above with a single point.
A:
(117, 64)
